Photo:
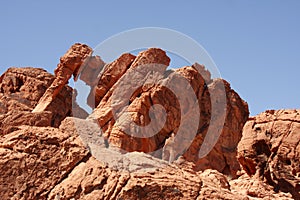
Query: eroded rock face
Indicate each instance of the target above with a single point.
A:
(127, 104)
(92, 180)
(110, 76)
(90, 69)
(26, 84)
(104, 111)
(270, 149)
(223, 155)
(35, 159)
(54, 163)
(69, 65)
(255, 188)
(20, 91)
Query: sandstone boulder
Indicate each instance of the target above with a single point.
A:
(270, 149)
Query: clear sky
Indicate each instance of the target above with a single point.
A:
(255, 44)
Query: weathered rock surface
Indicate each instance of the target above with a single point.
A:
(270, 149)
(72, 63)
(112, 73)
(20, 91)
(50, 155)
(223, 155)
(104, 112)
(93, 180)
(52, 163)
(90, 69)
(35, 159)
(255, 188)
(116, 126)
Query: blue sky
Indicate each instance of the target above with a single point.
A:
(255, 44)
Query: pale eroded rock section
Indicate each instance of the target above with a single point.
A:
(90, 70)
(94, 180)
(270, 149)
(109, 184)
(69, 65)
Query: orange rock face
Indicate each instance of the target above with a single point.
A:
(165, 88)
(69, 65)
(111, 75)
(270, 149)
(20, 91)
(158, 137)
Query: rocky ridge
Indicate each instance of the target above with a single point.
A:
(50, 153)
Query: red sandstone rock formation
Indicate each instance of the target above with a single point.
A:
(53, 163)
(20, 91)
(48, 155)
(110, 76)
(270, 149)
(77, 60)
(222, 157)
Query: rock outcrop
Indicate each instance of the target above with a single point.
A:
(270, 149)
(54, 163)
(113, 153)
(113, 72)
(20, 91)
(77, 60)
(35, 159)
(163, 89)
(223, 155)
